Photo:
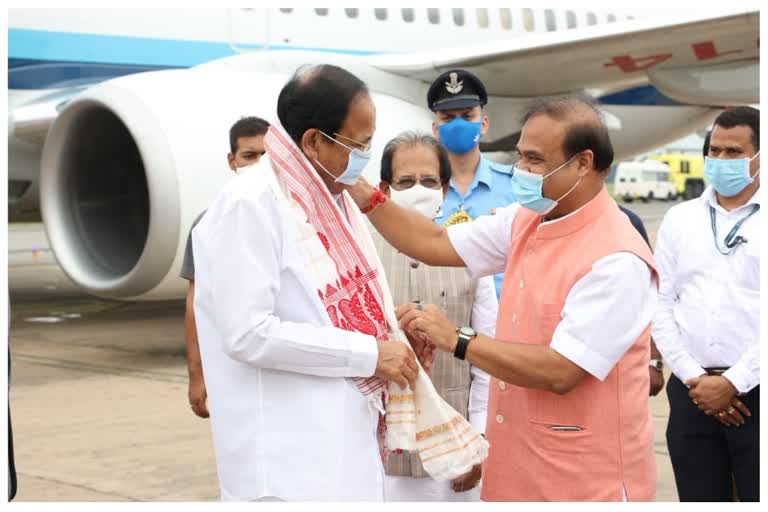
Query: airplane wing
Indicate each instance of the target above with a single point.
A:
(697, 58)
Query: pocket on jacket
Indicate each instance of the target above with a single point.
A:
(562, 437)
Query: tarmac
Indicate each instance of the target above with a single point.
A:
(98, 392)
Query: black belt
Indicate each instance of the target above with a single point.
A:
(716, 371)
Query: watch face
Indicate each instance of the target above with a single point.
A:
(467, 331)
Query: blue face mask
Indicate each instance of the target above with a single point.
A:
(728, 176)
(357, 161)
(459, 136)
(526, 186)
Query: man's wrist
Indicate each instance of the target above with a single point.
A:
(731, 386)
(376, 199)
(464, 335)
(195, 370)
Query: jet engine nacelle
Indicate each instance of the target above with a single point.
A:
(130, 163)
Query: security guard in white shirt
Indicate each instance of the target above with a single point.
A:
(708, 323)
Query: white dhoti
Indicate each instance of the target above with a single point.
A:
(406, 488)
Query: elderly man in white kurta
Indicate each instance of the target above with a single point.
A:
(291, 371)
(310, 381)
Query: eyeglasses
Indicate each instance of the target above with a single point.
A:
(361, 146)
(407, 182)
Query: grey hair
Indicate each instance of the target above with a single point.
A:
(413, 138)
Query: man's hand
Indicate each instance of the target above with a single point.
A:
(733, 415)
(657, 381)
(397, 363)
(711, 392)
(361, 193)
(198, 394)
(423, 350)
(429, 324)
(468, 480)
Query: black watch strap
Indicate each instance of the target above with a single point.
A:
(461, 347)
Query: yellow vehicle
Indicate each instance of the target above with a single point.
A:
(687, 173)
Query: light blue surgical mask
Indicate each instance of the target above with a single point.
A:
(357, 161)
(527, 188)
(729, 176)
(459, 136)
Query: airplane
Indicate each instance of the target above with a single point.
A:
(118, 118)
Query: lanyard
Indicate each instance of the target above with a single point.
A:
(730, 241)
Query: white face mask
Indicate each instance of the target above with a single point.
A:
(424, 200)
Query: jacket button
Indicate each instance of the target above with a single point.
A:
(499, 418)
(502, 385)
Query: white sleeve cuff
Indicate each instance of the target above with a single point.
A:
(363, 353)
(581, 355)
(687, 369)
(741, 378)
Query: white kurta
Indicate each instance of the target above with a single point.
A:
(286, 420)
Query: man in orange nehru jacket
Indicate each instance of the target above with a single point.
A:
(568, 415)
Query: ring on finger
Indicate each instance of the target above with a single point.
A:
(720, 414)
(419, 306)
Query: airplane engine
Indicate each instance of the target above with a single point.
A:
(129, 164)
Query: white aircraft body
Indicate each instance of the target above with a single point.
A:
(118, 118)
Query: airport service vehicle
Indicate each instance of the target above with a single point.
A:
(646, 180)
(686, 172)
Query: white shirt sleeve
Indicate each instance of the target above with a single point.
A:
(605, 312)
(666, 333)
(485, 309)
(745, 374)
(483, 244)
(245, 248)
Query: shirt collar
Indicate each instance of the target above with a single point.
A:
(483, 172)
(554, 221)
(708, 198)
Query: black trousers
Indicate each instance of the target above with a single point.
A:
(706, 455)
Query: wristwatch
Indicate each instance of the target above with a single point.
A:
(657, 364)
(466, 334)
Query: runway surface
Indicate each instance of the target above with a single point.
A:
(99, 391)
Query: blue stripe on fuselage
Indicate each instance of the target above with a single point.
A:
(644, 95)
(41, 59)
(41, 74)
(44, 45)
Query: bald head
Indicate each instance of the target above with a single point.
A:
(583, 124)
